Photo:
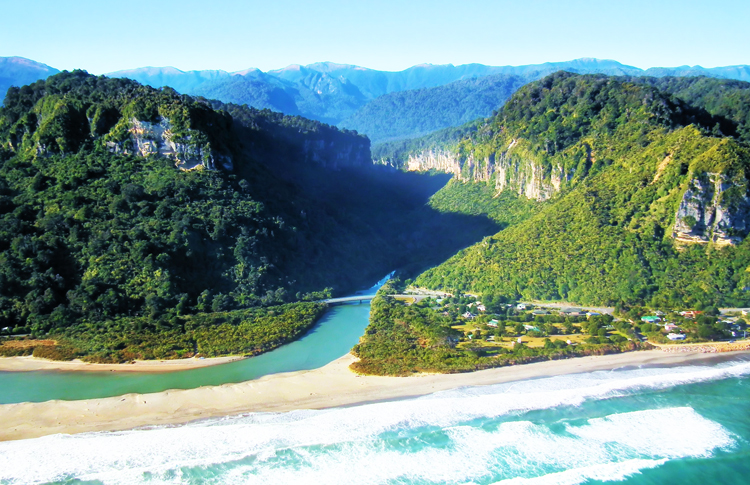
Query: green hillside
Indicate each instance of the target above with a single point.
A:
(409, 114)
(651, 205)
(138, 222)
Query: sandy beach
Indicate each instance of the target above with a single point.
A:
(29, 363)
(330, 386)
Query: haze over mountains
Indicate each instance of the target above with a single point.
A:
(381, 104)
(17, 71)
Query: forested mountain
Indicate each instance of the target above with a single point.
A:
(642, 197)
(334, 93)
(181, 81)
(726, 98)
(135, 218)
(340, 93)
(415, 113)
(17, 71)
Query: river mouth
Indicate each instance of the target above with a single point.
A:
(332, 337)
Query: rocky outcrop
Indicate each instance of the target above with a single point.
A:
(508, 170)
(440, 160)
(189, 151)
(713, 209)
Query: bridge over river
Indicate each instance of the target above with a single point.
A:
(362, 298)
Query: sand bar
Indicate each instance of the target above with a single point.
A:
(29, 363)
(329, 386)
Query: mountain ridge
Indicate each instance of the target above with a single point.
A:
(641, 201)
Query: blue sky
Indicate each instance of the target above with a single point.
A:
(102, 36)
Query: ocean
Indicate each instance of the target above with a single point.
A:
(683, 425)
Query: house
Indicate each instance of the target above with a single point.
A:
(592, 314)
(481, 307)
(521, 306)
(493, 323)
(571, 312)
(540, 312)
(659, 313)
(670, 326)
(520, 341)
(5, 329)
(745, 312)
(468, 315)
(531, 328)
(676, 336)
(690, 313)
(651, 319)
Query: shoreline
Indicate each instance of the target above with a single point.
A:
(333, 385)
(29, 363)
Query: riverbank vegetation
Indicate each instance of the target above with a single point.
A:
(239, 332)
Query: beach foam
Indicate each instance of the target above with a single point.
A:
(456, 436)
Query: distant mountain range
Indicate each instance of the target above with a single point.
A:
(382, 104)
(17, 71)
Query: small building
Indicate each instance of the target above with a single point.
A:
(521, 306)
(468, 315)
(531, 328)
(520, 340)
(659, 313)
(651, 319)
(540, 312)
(690, 313)
(571, 312)
(569, 342)
(592, 314)
(481, 307)
(670, 326)
(676, 336)
(493, 323)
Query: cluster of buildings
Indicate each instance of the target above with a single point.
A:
(675, 333)
(672, 328)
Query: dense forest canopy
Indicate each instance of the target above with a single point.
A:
(133, 211)
(628, 153)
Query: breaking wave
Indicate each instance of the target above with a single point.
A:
(489, 434)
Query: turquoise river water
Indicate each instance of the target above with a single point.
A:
(333, 336)
(688, 424)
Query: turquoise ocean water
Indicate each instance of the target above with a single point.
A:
(682, 425)
(659, 425)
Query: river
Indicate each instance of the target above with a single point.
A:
(333, 336)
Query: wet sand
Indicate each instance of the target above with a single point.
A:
(29, 363)
(329, 386)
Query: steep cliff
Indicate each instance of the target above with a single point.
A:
(646, 203)
(511, 169)
(158, 138)
(713, 209)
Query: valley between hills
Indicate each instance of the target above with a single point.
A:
(143, 222)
